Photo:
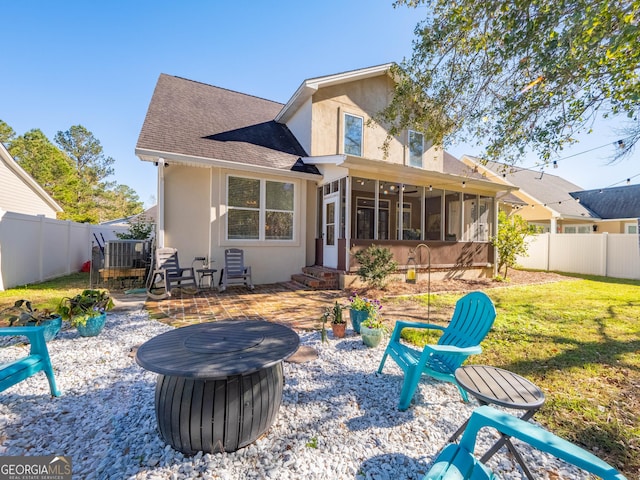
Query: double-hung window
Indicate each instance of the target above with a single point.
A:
(416, 148)
(353, 135)
(259, 209)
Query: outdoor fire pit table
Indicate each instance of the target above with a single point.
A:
(219, 383)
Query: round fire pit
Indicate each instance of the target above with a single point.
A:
(219, 384)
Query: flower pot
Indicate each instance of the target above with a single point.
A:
(339, 329)
(357, 317)
(51, 328)
(371, 337)
(93, 326)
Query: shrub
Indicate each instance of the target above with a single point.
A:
(376, 264)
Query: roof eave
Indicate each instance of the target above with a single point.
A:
(147, 155)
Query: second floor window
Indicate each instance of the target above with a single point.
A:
(416, 148)
(353, 135)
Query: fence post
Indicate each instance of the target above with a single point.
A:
(41, 249)
(604, 264)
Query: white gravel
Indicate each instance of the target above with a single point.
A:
(338, 418)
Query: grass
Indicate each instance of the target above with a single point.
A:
(579, 341)
(46, 295)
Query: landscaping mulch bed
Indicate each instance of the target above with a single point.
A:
(515, 277)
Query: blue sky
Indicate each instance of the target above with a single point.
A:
(96, 64)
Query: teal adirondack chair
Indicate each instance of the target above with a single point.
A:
(472, 319)
(456, 461)
(36, 361)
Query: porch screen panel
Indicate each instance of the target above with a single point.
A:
(470, 217)
(279, 211)
(452, 220)
(433, 214)
(485, 219)
(243, 217)
(411, 212)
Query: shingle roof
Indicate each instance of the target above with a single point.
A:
(610, 203)
(195, 119)
(550, 190)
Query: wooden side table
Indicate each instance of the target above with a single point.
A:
(492, 385)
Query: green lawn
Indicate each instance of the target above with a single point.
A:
(579, 341)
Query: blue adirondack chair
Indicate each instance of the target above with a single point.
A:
(472, 319)
(456, 461)
(36, 361)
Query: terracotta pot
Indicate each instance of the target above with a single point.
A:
(339, 329)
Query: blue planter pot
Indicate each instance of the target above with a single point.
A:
(93, 326)
(51, 328)
(357, 317)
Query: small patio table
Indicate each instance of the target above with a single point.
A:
(219, 384)
(492, 385)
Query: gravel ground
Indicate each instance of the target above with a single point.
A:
(338, 419)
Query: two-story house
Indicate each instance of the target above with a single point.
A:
(307, 183)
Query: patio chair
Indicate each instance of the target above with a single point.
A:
(456, 461)
(167, 274)
(472, 319)
(234, 271)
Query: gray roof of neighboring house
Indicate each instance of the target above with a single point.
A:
(199, 120)
(550, 190)
(611, 203)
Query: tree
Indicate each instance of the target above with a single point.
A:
(6, 133)
(46, 164)
(529, 74)
(75, 177)
(510, 240)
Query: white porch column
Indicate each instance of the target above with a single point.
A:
(553, 228)
(160, 226)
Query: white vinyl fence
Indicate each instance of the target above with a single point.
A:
(608, 254)
(36, 248)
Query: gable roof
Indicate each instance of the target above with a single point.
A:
(311, 85)
(611, 203)
(548, 190)
(197, 120)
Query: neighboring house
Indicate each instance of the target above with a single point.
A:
(20, 193)
(545, 200)
(618, 208)
(307, 183)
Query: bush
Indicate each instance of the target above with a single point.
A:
(376, 264)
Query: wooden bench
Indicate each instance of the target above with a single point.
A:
(38, 359)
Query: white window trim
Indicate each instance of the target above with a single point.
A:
(631, 224)
(261, 240)
(409, 132)
(344, 132)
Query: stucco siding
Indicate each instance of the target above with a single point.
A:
(16, 196)
(363, 98)
(187, 200)
(195, 216)
(300, 125)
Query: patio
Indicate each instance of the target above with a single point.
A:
(287, 303)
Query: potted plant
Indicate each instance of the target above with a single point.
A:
(362, 308)
(338, 323)
(372, 330)
(87, 311)
(23, 314)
